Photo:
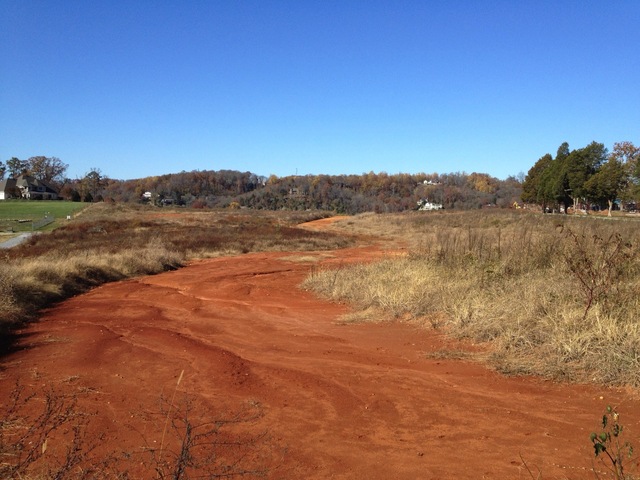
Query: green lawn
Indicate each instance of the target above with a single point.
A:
(17, 215)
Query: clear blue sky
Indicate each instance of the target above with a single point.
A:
(138, 88)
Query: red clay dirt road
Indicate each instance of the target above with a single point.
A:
(338, 401)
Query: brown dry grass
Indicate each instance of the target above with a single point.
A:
(515, 280)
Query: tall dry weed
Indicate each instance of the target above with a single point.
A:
(10, 310)
(29, 284)
(397, 285)
(521, 282)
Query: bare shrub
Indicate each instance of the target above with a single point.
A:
(197, 446)
(598, 264)
(44, 434)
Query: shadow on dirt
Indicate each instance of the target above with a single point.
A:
(11, 341)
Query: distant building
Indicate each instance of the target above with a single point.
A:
(295, 192)
(426, 205)
(8, 189)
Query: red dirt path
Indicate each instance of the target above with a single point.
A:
(338, 401)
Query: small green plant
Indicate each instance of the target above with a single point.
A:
(610, 447)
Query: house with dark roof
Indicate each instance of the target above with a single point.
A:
(27, 187)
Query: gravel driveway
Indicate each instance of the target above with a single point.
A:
(12, 242)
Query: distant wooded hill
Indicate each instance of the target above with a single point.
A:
(351, 194)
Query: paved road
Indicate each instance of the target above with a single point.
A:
(12, 242)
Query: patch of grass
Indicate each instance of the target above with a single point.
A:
(555, 296)
(447, 354)
(302, 258)
(37, 209)
(371, 315)
(17, 215)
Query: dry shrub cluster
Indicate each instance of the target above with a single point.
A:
(113, 242)
(555, 295)
(46, 433)
(54, 429)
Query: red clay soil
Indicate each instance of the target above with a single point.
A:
(343, 401)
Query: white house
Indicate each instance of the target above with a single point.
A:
(426, 205)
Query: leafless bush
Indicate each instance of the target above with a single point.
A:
(598, 264)
(196, 446)
(46, 435)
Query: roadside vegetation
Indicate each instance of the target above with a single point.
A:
(113, 242)
(550, 295)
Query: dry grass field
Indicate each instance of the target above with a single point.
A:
(551, 295)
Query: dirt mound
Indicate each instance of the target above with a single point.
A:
(336, 401)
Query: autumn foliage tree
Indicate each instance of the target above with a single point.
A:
(46, 169)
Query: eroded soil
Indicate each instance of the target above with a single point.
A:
(343, 401)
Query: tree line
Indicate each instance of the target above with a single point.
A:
(586, 178)
(350, 194)
(379, 192)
